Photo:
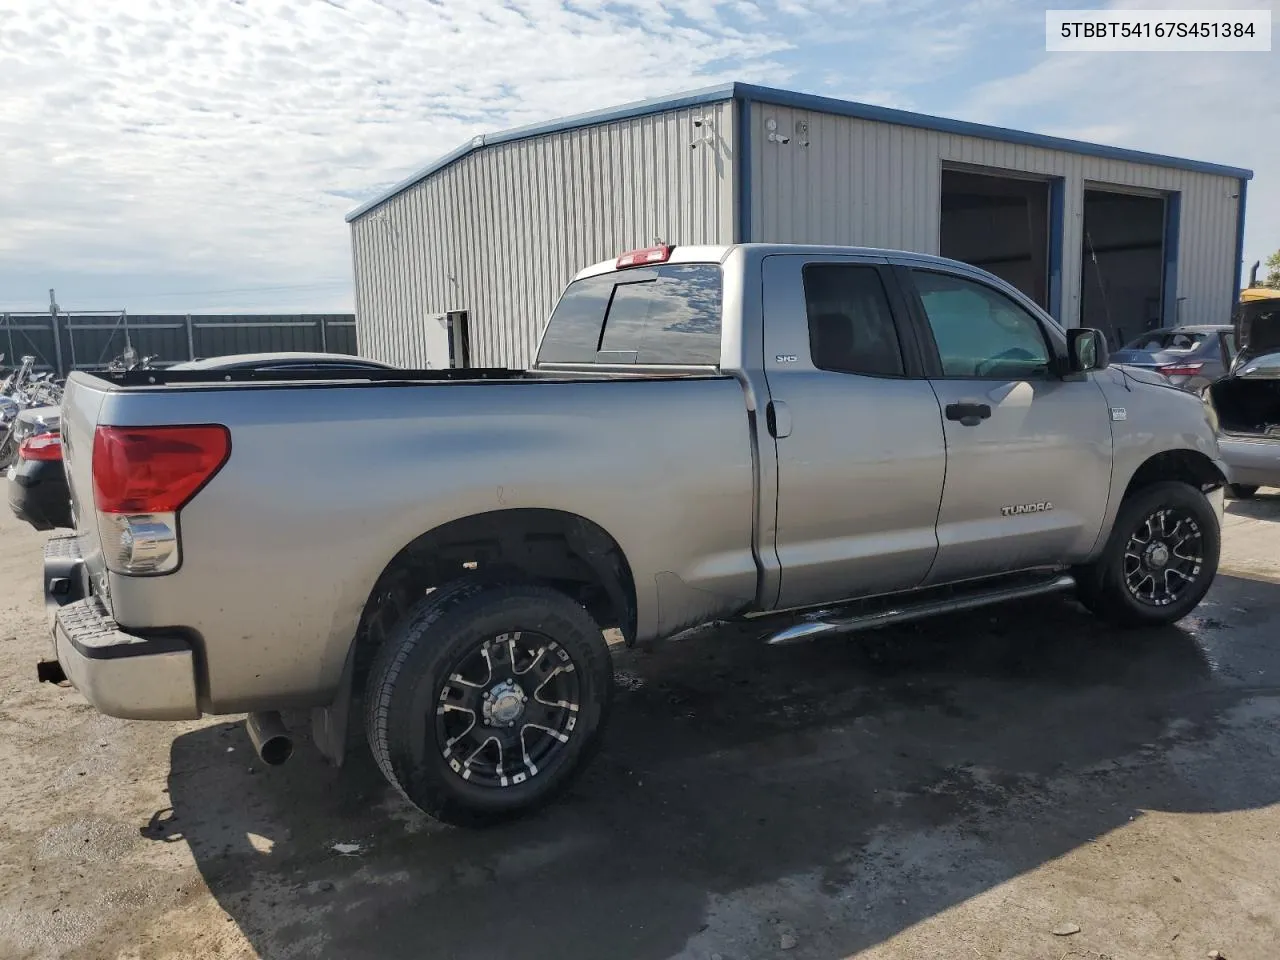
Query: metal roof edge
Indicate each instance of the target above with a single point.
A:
(453, 156)
(627, 111)
(804, 101)
(863, 111)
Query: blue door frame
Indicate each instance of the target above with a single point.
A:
(1169, 290)
(1057, 203)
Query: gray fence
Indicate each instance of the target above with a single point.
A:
(89, 340)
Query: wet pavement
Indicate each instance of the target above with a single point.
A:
(955, 788)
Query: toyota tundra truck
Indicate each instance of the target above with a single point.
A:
(813, 439)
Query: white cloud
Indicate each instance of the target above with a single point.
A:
(1218, 107)
(154, 153)
(220, 144)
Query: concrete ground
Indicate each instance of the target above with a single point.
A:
(958, 789)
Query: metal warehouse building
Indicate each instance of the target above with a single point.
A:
(462, 263)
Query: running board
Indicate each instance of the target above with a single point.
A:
(832, 621)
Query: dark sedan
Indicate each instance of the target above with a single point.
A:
(37, 484)
(1191, 357)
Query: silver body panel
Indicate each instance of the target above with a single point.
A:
(281, 550)
(1047, 441)
(1251, 461)
(868, 492)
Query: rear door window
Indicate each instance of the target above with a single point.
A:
(666, 315)
(851, 328)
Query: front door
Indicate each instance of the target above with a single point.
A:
(857, 431)
(1028, 451)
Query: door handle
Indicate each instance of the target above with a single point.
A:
(778, 416)
(969, 414)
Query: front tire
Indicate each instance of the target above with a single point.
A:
(1159, 560)
(486, 699)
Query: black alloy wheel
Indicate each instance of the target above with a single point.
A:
(1159, 560)
(1163, 557)
(508, 709)
(487, 698)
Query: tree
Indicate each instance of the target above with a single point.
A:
(1273, 271)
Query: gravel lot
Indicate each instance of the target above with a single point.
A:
(958, 789)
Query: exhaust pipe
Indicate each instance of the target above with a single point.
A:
(270, 737)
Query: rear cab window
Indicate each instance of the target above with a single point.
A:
(668, 315)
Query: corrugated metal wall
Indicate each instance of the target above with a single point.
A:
(500, 232)
(877, 184)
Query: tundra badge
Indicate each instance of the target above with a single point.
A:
(1013, 511)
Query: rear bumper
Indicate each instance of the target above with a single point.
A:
(123, 675)
(1251, 462)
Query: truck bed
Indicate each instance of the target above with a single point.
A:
(329, 478)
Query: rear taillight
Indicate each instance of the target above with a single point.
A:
(142, 477)
(154, 469)
(43, 446)
(1180, 369)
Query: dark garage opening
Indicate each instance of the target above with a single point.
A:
(1122, 274)
(1001, 224)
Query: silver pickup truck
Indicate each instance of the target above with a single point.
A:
(818, 439)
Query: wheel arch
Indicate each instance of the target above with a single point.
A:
(1183, 465)
(556, 548)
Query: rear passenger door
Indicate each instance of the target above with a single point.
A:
(857, 430)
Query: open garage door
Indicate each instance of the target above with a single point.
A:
(1000, 223)
(1123, 270)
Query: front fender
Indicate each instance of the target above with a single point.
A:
(1158, 432)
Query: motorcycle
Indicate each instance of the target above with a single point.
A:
(21, 389)
(129, 360)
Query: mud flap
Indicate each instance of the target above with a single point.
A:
(329, 724)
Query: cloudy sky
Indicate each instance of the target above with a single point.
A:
(181, 155)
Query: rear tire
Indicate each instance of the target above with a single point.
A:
(487, 699)
(1158, 562)
(1241, 491)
